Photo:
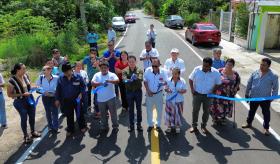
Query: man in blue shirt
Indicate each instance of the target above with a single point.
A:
(262, 83)
(92, 39)
(112, 55)
(69, 91)
(92, 63)
(217, 62)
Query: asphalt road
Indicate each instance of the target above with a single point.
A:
(224, 145)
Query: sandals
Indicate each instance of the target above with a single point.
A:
(36, 134)
(27, 139)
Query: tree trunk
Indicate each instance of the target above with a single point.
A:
(83, 16)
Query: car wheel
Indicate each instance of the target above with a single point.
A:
(193, 41)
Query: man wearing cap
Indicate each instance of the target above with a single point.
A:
(154, 80)
(174, 62)
(69, 91)
(57, 59)
(106, 81)
(48, 83)
(148, 54)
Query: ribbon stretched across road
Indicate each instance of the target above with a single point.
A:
(244, 99)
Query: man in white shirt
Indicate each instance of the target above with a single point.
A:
(154, 81)
(106, 96)
(174, 62)
(148, 54)
(111, 34)
(203, 80)
(151, 34)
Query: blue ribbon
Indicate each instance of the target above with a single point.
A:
(30, 98)
(243, 99)
(132, 78)
(173, 97)
(94, 91)
(78, 100)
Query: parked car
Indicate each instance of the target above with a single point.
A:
(118, 24)
(174, 21)
(130, 18)
(203, 33)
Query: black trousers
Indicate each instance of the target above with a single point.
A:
(265, 105)
(123, 95)
(69, 107)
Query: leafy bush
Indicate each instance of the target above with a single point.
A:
(149, 8)
(23, 22)
(242, 20)
(192, 18)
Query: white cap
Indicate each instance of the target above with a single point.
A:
(174, 50)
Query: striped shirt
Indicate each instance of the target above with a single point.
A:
(262, 86)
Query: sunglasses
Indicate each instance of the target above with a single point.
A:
(47, 69)
(155, 66)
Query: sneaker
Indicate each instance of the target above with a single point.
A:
(168, 130)
(266, 132)
(193, 130)
(4, 126)
(178, 130)
(150, 128)
(244, 126)
(35, 134)
(204, 130)
(27, 139)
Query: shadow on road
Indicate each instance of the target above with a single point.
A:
(105, 145)
(136, 155)
(176, 143)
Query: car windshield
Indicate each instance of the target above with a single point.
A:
(207, 27)
(119, 19)
(176, 17)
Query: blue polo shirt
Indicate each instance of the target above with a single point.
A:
(92, 37)
(112, 61)
(218, 63)
(69, 89)
(90, 69)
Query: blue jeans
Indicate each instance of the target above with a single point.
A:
(51, 112)
(134, 98)
(25, 110)
(3, 120)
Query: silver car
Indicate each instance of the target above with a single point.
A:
(174, 21)
(118, 24)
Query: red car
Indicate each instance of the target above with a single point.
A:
(130, 18)
(203, 33)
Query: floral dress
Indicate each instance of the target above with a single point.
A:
(221, 108)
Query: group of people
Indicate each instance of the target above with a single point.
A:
(116, 74)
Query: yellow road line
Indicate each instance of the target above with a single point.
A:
(155, 154)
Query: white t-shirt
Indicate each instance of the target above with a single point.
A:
(204, 82)
(106, 93)
(170, 64)
(155, 80)
(181, 84)
(152, 53)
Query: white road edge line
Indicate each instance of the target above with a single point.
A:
(257, 116)
(45, 131)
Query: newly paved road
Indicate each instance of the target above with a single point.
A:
(224, 145)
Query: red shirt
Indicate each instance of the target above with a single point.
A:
(119, 64)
